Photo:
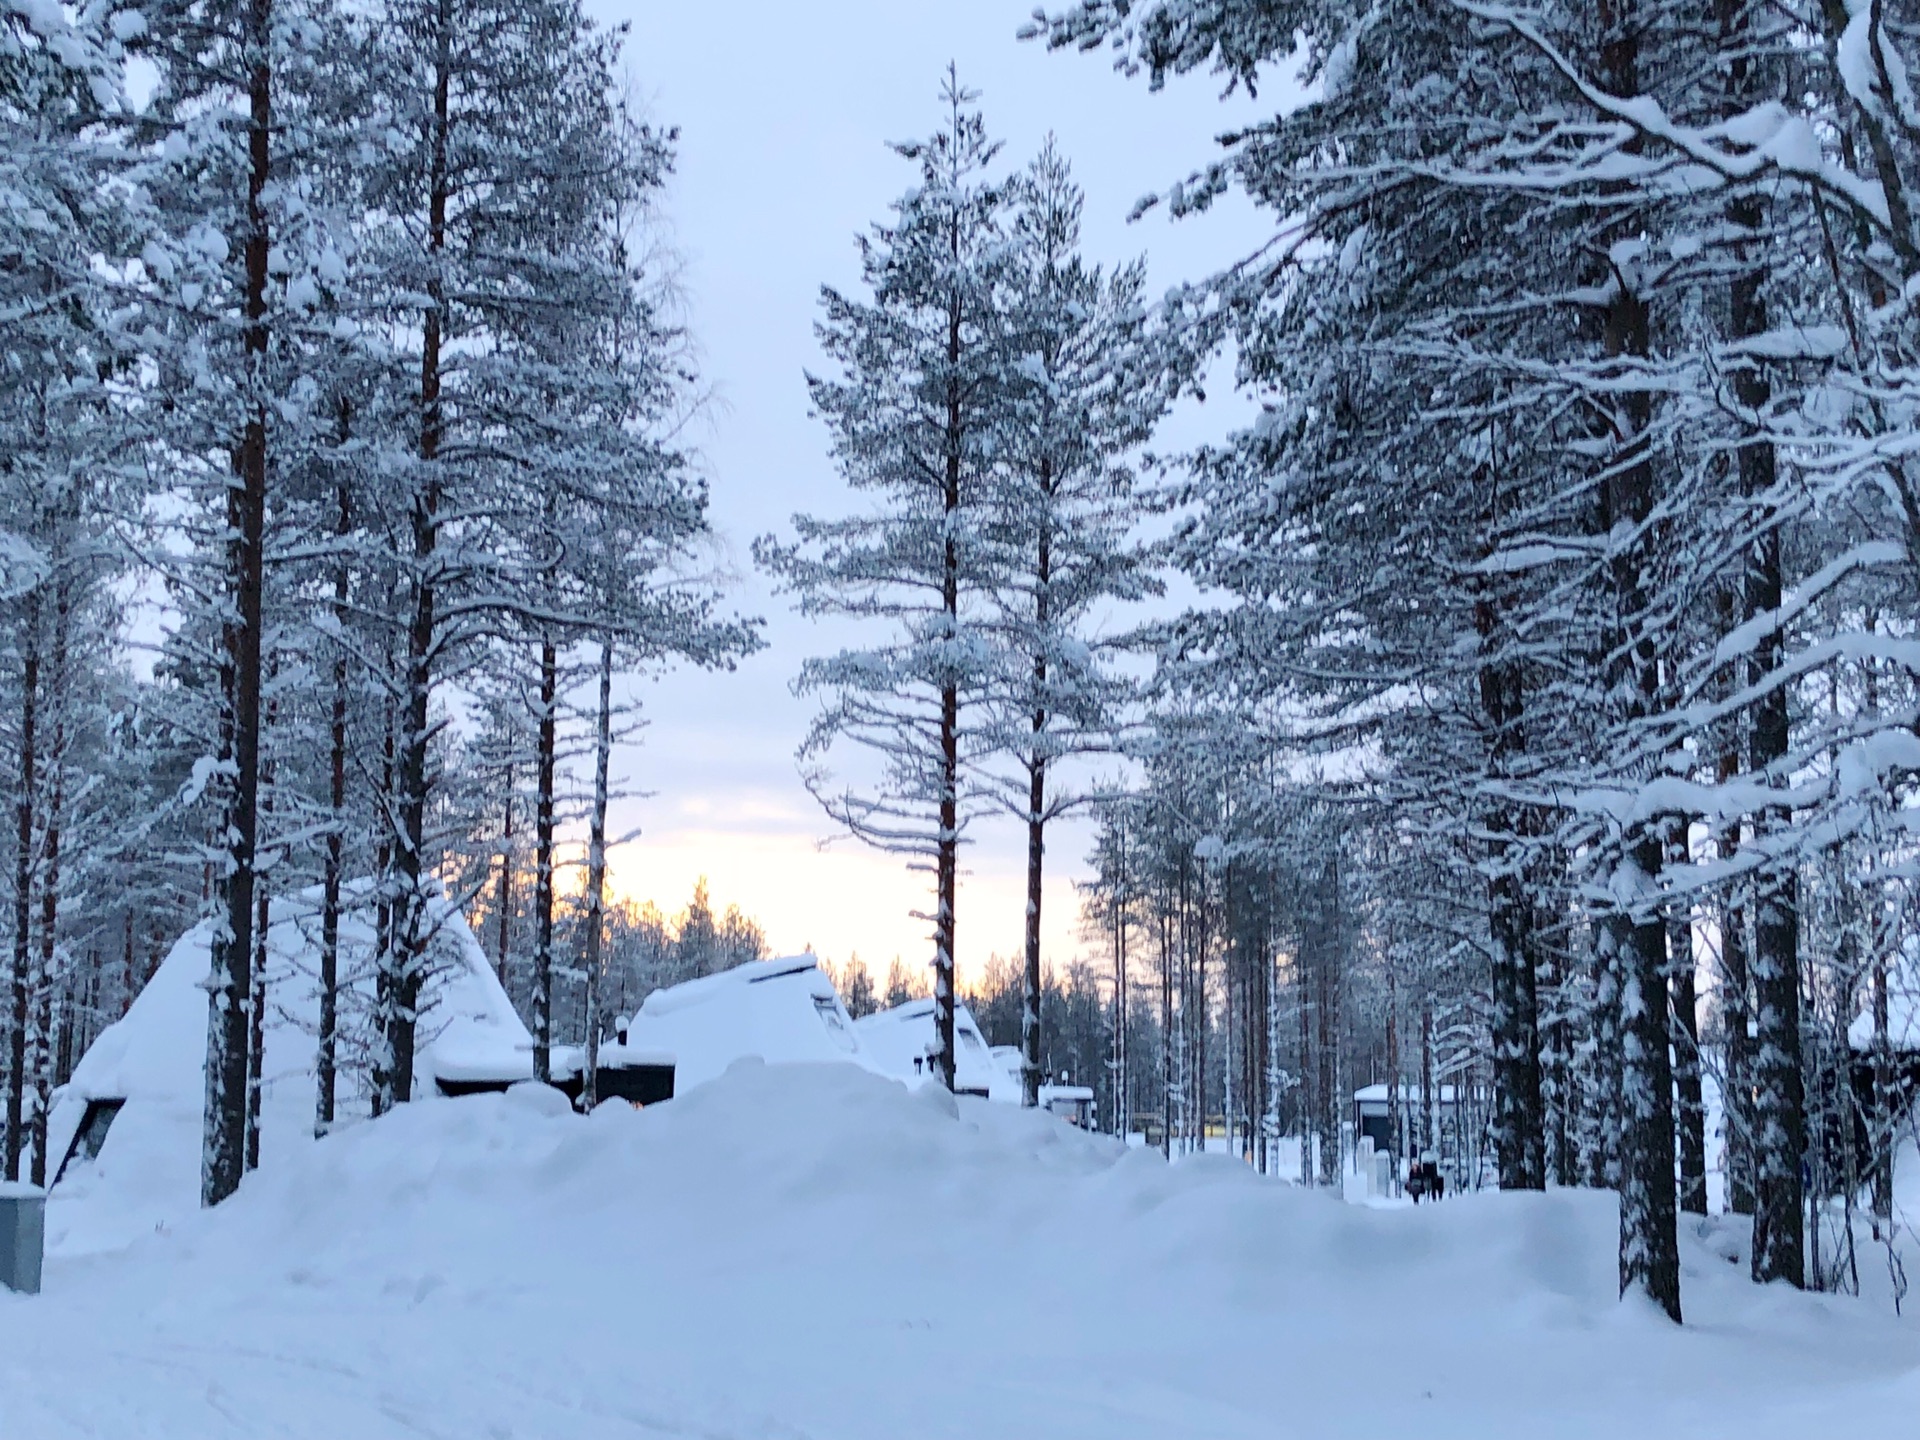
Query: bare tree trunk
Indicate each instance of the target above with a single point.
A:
(326, 1059)
(59, 693)
(1429, 1120)
(1687, 1079)
(1779, 1101)
(1200, 1014)
(1328, 944)
(1881, 1148)
(1518, 1121)
(597, 874)
(1393, 1075)
(1037, 806)
(414, 930)
(1036, 862)
(257, 1003)
(1649, 1238)
(128, 983)
(257, 1019)
(23, 868)
(1167, 962)
(1122, 1072)
(1779, 1217)
(503, 901)
(1518, 1128)
(379, 1101)
(223, 1152)
(542, 1005)
(1309, 1105)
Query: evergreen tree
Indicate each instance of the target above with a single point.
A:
(917, 414)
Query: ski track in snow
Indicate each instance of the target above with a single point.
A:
(811, 1252)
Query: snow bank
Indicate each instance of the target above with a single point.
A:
(816, 1251)
(154, 1058)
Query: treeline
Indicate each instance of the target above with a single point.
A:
(641, 949)
(1546, 721)
(339, 481)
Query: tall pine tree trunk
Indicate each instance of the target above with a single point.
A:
(1880, 1121)
(326, 1058)
(503, 899)
(1309, 1107)
(947, 843)
(597, 873)
(1778, 1119)
(1429, 1127)
(21, 978)
(1167, 962)
(1687, 1069)
(257, 1002)
(1736, 1120)
(1122, 1075)
(380, 1100)
(1518, 1118)
(1649, 1238)
(414, 924)
(224, 1148)
(1037, 797)
(542, 1005)
(46, 984)
(1199, 953)
(1036, 863)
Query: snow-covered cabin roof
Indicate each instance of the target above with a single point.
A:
(895, 1039)
(780, 1010)
(1050, 1093)
(154, 1057)
(1376, 1095)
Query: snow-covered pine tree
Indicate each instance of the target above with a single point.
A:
(67, 215)
(918, 413)
(505, 163)
(1062, 523)
(234, 293)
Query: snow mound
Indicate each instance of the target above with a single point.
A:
(153, 1058)
(811, 1250)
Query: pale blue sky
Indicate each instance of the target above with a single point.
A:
(784, 111)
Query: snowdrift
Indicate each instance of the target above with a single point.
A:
(153, 1058)
(816, 1251)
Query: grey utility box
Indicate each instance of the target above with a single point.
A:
(23, 1236)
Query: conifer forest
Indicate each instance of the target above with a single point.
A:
(1441, 686)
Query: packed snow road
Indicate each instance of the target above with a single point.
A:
(814, 1252)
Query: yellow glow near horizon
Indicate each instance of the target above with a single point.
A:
(841, 901)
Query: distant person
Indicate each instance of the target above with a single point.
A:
(1426, 1178)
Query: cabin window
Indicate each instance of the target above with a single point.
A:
(91, 1135)
(836, 1022)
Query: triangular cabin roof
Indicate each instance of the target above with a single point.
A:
(899, 1037)
(153, 1059)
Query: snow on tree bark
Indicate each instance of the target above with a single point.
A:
(230, 981)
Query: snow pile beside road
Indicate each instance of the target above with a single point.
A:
(815, 1251)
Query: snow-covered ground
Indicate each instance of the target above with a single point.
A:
(812, 1251)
